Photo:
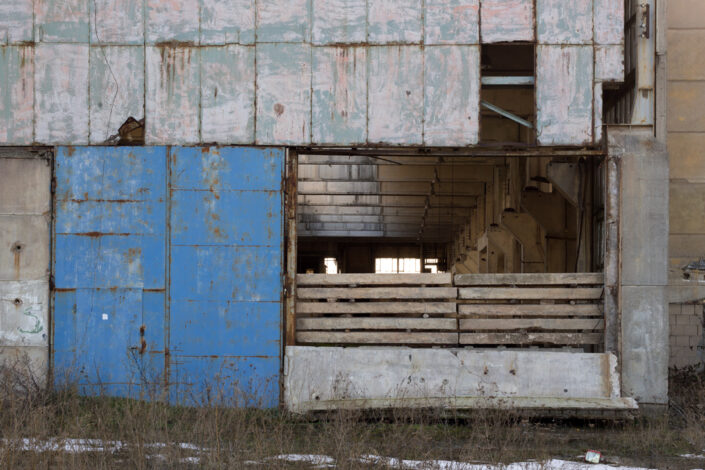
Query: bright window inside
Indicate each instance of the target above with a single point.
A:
(397, 265)
(331, 265)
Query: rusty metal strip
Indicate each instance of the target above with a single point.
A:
(290, 278)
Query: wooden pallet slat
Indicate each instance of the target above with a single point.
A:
(342, 308)
(372, 323)
(377, 293)
(538, 293)
(529, 323)
(527, 339)
(373, 279)
(327, 337)
(545, 310)
(528, 279)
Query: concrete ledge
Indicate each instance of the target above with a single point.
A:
(321, 378)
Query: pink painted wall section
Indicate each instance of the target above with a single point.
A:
(338, 22)
(16, 21)
(564, 21)
(452, 22)
(507, 20)
(227, 22)
(609, 63)
(17, 94)
(172, 21)
(609, 21)
(228, 94)
(564, 89)
(170, 100)
(395, 111)
(61, 93)
(452, 95)
(117, 22)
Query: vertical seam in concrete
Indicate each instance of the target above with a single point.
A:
(368, 62)
(200, 75)
(167, 266)
(144, 61)
(423, 73)
(254, 47)
(34, 71)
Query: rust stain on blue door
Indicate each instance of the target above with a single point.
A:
(168, 272)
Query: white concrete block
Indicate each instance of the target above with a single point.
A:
(117, 22)
(61, 87)
(227, 22)
(338, 22)
(117, 89)
(32, 362)
(316, 375)
(16, 21)
(339, 95)
(452, 22)
(172, 21)
(172, 96)
(564, 22)
(597, 110)
(564, 100)
(452, 95)
(24, 313)
(394, 21)
(609, 63)
(228, 94)
(283, 94)
(395, 95)
(507, 20)
(16, 95)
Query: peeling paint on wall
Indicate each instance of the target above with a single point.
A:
(507, 20)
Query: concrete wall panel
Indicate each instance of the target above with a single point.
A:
(645, 332)
(686, 161)
(608, 17)
(117, 89)
(172, 21)
(283, 93)
(597, 112)
(16, 21)
(228, 94)
(339, 95)
(24, 307)
(284, 21)
(507, 20)
(451, 22)
(24, 247)
(452, 95)
(394, 21)
(682, 115)
(395, 90)
(564, 89)
(17, 94)
(18, 174)
(227, 22)
(117, 22)
(338, 22)
(687, 208)
(61, 87)
(65, 21)
(170, 102)
(686, 14)
(562, 22)
(609, 63)
(685, 58)
(32, 359)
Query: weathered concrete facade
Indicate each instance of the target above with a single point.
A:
(25, 215)
(334, 72)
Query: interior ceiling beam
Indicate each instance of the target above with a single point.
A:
(375, 234)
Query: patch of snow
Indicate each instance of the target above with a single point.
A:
(692, 456)
(73, 446)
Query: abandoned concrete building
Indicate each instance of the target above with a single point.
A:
(354, 203)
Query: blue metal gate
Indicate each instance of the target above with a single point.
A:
(168, 272)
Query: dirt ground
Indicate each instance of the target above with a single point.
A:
(60, 429)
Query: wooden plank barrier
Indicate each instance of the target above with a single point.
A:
(380, 309)
(479, 310)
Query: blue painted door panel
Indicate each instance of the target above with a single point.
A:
(168, 270)
(226, 274)
(109, 268)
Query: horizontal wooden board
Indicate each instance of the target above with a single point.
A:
(372, 279)
(531, 338)
(342, 308)
(369, 323)
(531, 323)
(544, 310)
(538, 293)
(526, 279)
(377, 293)
(326, 337)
